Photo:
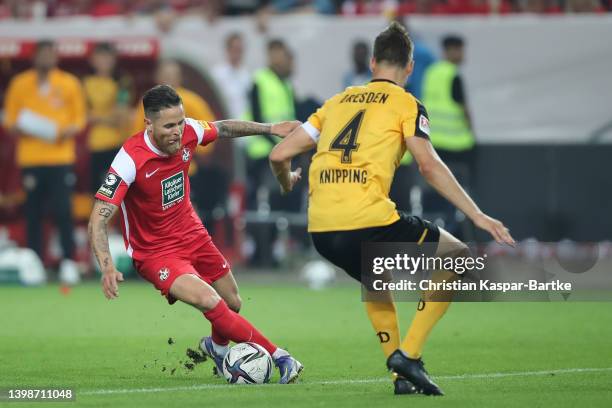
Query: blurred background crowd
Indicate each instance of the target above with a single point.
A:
(215, 8)
(71, 98)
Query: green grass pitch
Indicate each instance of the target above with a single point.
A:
(117, 354)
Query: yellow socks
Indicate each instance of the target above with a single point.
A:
(426, 317)
(384, 321)
(430, 309)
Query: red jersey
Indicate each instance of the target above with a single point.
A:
(152, 191)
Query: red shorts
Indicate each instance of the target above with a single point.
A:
(205, 261)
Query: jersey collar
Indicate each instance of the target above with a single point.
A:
(383, 80)
(151, 146)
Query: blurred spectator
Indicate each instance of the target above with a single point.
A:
(165, 18)
(167, 11)
(45, 109)
(584, 6)
(232, 78)
(445, 98)
(537, 6)
(451, 134)
(360, 73)
(271, 100)
(272, 7)
(20, 9)
(317, 6)
(213, 9)
(240, 7)
(107, 110)
(361, 7)
(104, 8)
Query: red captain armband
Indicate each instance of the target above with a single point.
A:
(210, 132)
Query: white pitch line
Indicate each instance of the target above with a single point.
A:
(351, 382)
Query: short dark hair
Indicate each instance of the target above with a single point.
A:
(393, 46)
(361, 44)
(277, 43)
(105, 47)
(42, 44)
(452, 40)
(158, 98)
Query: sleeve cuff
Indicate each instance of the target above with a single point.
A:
(210, 135)
(312, 131)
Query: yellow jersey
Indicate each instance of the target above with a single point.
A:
(101, 93)
(360, 136)
(60, 100)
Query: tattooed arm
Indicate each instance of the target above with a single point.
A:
(228, 129)
(98, 239)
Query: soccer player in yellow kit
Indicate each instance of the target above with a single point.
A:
(360, 135)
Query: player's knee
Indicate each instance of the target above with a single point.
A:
(461, 251)
(234, 303)
(206, 301)
(457, 250)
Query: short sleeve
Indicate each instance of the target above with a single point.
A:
(416, 123)
(314, 124)
(121, 174)
(206, 131)
(113, 190)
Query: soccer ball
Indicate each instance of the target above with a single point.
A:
(247, 363)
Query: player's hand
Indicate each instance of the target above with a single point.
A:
(283, 129)
(110, 283)
(69, 132)
(496, 228)
(294, 177)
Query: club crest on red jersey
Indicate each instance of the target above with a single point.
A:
(164, 273)
(186, 154)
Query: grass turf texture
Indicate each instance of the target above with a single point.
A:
(114, 353)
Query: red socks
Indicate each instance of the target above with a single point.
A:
(228, 324)
(218, 338)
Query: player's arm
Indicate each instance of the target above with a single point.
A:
(301, 140)
(298, 141)
(229, 129)
(442, 179)
(98, 237)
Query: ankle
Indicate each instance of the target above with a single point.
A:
(278, 353)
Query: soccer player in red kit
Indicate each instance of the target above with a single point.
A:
(167, 241)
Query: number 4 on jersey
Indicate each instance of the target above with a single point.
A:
(346, 141)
